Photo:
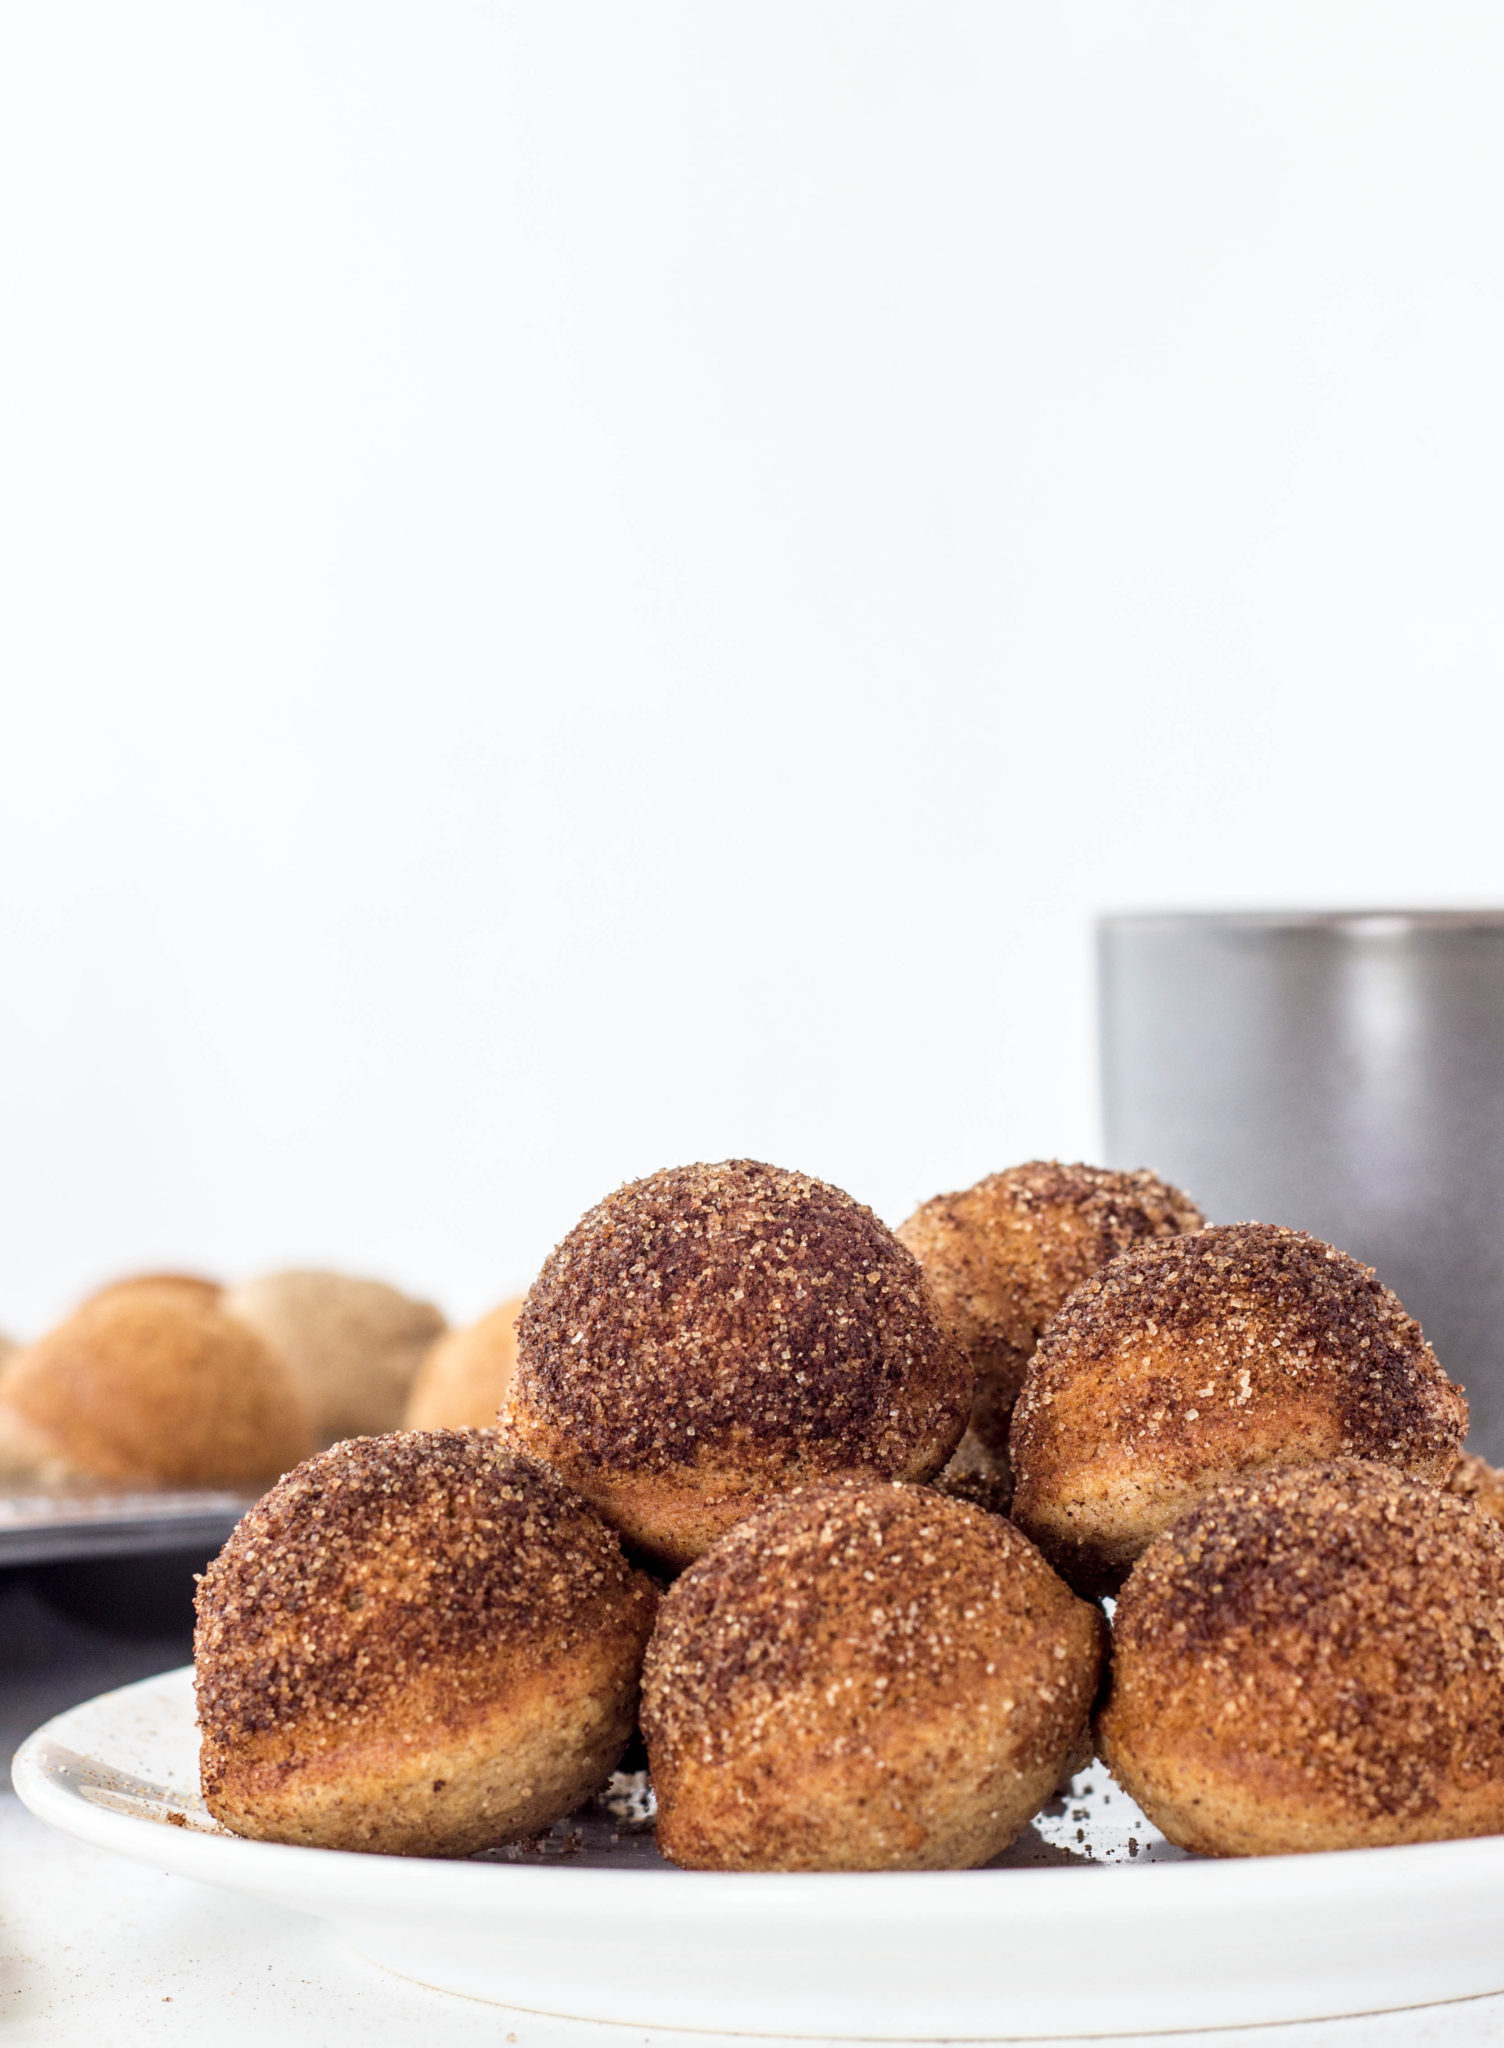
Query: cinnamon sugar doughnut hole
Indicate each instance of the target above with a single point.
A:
(712, 1335)
(863, 1677)
(420, 1645)
(1313, 1659)
(1189, 1360)
(1002, 1257)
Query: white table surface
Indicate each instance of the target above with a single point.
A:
(95, 1951)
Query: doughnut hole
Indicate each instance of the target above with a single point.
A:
(419, 1644)
(1189, 1360)
(1313, 1659)
(863, 1678)
(713, 1335)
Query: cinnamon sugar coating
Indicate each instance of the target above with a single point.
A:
(714, 1334)
(421, 1644)
(1002, 1257)
(1189, 1360)
(1313, 1659)
(1481, 1483)
(863, 1677)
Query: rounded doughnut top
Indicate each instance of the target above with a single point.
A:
(1188, 1360)
(909, 1593)
(465, 1373)
(388, 1573)
(737, 1328)
(1314, 1658)
(1002, 1256)
(863, 1676)
(152, 1382)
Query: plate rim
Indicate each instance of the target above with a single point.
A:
(351, 1880)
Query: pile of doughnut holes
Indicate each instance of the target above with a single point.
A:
(837, 1517)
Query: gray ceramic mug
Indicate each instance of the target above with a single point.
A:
(1342, 1072)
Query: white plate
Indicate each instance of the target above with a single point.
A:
(1090, 1925)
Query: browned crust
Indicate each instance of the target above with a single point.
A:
(1188, 1360)
(863, 1677)
(153, 1383)
(410, 1607)
(352, 1344)
(387, 1557)
(188, 1286)
(1481, 1483)
(714, 1333)
(1313, 1659)
(1002, 1257)
(464, 1377)
(443, 1780)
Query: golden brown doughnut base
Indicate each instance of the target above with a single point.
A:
(667, 1516)
(674, 1514)
(1094, 1509)
(1199, 1804)
(946, 1794)
(435, 1787)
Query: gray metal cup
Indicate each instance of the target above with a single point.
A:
(1341, 1072)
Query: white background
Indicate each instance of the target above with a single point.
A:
(588, 585)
